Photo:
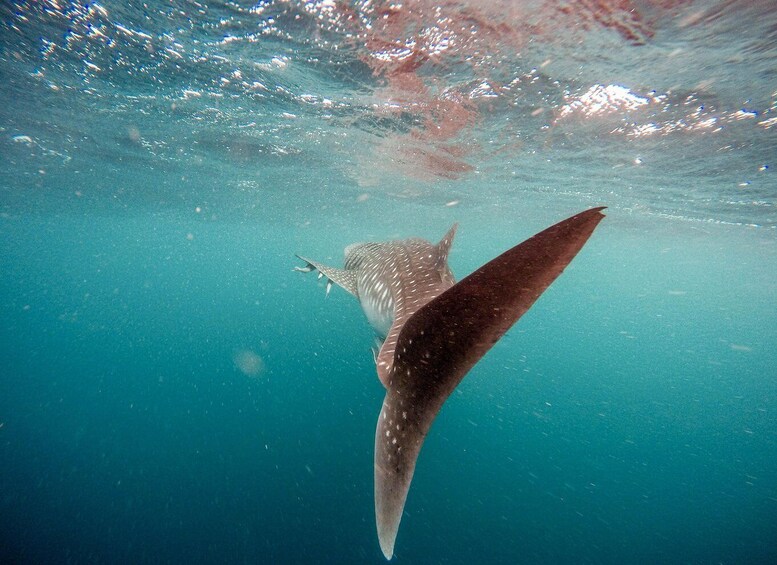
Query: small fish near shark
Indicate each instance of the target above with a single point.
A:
(433, 330)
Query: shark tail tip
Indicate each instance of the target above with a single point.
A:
(387, 547)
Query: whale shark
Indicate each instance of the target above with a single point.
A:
(431, 330)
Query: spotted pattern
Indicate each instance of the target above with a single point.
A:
(410, 273)
(430, 347)
(392, 280)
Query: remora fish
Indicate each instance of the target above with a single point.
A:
(433, 331)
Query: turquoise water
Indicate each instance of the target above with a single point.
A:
(172, 392)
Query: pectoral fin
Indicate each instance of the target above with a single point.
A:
(344, 278)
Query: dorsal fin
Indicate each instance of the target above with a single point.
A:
(444, 247)
(341, 277)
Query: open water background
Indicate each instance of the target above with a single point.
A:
(171, 392)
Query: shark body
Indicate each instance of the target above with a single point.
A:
(433, 330)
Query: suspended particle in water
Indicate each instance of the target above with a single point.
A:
(248, 362)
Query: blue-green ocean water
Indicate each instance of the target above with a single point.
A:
(172, 392)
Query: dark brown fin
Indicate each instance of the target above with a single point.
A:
(444, 339)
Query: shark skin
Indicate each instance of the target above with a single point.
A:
(437, 330)
(391, 280)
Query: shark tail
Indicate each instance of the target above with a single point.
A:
(444, 339)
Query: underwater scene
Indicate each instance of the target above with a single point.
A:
(174, 390)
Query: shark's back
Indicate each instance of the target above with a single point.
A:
(392, 280)
(396, 278)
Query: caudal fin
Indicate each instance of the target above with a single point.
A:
(444, 339)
